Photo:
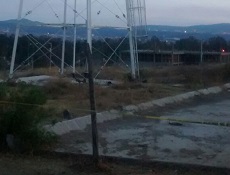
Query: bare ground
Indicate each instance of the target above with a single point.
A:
(160, 83)
(52, 165)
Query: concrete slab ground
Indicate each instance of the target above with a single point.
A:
(36, 80)
(144, 138)
(43, 79)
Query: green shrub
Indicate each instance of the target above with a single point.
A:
(23, 118)
(28, 94)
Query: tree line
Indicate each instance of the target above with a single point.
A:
(30, 47)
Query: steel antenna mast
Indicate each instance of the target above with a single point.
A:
(89, 24)
(64, 38)
(136, 22)
(75, 37)
(16, 39)
(131, 42)
(89, 28)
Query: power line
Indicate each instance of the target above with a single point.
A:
(117, 16)
(30, 11)
(56, 15)
(119, 8)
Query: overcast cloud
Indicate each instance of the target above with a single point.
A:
(163, 12)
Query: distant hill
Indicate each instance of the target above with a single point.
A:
(10, 25)
(163, 32)
(213, 28)
(24, 22)
(198, 31)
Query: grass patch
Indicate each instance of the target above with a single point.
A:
(193, 77)
(112, 73)
(160, 82)
(74, 97)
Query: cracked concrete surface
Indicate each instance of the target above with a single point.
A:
(143, 138)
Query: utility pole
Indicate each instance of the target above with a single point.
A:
(16, 40)
(173, 53)
(92, 106)
(155, 51)
(201, 52)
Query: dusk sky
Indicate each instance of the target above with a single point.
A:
(159, 12)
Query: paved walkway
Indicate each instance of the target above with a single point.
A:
(149, 139)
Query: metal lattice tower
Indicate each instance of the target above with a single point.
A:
(64, 25)
(136, 25)
(136, 16)
(16, 40)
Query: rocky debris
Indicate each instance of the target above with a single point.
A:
(66, 115)
(175, 123)
(14, 144)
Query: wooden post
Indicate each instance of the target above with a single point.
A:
(92, 106)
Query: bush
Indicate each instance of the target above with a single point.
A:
(29, 94)
(23, 118)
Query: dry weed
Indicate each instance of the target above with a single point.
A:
(112, 73)
(63, 94)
